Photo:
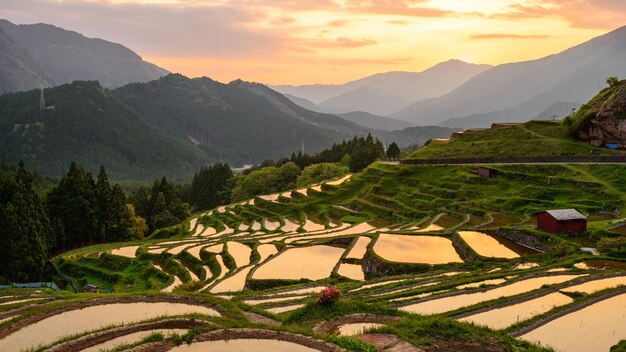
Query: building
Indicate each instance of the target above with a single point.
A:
(486, 172)
(561, 221)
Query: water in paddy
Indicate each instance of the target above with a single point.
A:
(290, 226)
(131, 338)
(199, 230)
(359, 248)
(266, 250)
(377, 284)
(593, 286)
(240, 252)
(243, 345)
(301, 291)
(502, 318)
(593, 328)
(356, 328)
(526, 266)
(481, 283)
(339, 181)
(192, 275)
(313, 263)
(274, 300)
(271, 225)
(243, 227)
(233, 283)
(345, 231)
(310, 226)
(20, 301)
(351, 271)
(256, 226)
(223, 271)
(128, 252)
(72, 322)
(284, 309)
(488, 246)
(416, 249)
(178, 249)
(447, 304)
(430, 228)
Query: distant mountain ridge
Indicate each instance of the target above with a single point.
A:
(57, 56)
(171, 126)
(385, 93)
(520, 91)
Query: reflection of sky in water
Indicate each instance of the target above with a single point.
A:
(315, 263)
(416, 249)
(486, 245)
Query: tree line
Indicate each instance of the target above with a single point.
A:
(78, 211)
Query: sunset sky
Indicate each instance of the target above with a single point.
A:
(326, 41)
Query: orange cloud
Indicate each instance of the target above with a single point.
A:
(507, 36)
(341, 42)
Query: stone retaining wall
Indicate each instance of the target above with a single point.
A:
(521, 237)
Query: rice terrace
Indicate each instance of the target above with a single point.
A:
(427, 207)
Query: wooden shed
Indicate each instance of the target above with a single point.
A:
(486, 172)
(561, 221)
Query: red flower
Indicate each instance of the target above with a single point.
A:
(328, 296)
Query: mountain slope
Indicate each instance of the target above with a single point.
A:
(18, 69)
(525, 89)
(375, 122)
(393, 90)
(66, 56)
(87, 124)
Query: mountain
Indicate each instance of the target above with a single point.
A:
(305, 103)
(385, 93)
(63, 56)
(18, 69)
(558, 111)
(169, 126)
(375, 122)
(523, 90)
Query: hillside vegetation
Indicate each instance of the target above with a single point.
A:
(533, 138)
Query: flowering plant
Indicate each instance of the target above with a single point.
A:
(328, 296)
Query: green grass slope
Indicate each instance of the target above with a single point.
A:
(534, 138)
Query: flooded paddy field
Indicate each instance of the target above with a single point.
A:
(488, 245)
(416, 249)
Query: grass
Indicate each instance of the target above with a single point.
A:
(534, 138)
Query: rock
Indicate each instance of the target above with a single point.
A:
(603, 120)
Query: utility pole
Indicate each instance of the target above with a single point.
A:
(302, 148)
(42, 100)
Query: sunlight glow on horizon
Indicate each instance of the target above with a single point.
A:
(327, 41)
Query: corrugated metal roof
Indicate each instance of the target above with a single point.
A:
(566, 214)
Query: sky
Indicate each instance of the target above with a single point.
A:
(326, 41)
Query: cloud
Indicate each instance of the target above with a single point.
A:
(341, 42)
(588, 14)
(507, 36)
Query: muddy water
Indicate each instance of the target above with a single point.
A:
(303, 191)
(590, 287)
(274, 300)
(132, 338)
(218, 248)
(256, 226)
(270, 197)
(242, 227)
(431, 227)
(526, 266)
(416, 249)
(284, 309)
(314, 263)
(447, 304)
(352, 230)
(359, 248)
(593, 328)
(178, 249)
(199, 230)
(243, 345)
(486, 245)
(20, 301)
(310, 226)
(502, 318)
(240, 252)
(351, 271)
(128, 252)
(223, 272)
(195, 250)
(290, 226)
(301, 291)
(356, 328)
(478, 284)
(339, 181)
(175, 284)
(233, 283)
(266, 250)
(271, 225)
(376, 284)
(317, 188)
(209, 231)
(76, 321)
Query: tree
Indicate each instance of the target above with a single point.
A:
(612, 81)
(160, 206)
(209, 185)
(24, 230)
(393, 151)
(72, 204)
(321, 172)
(103, 203)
